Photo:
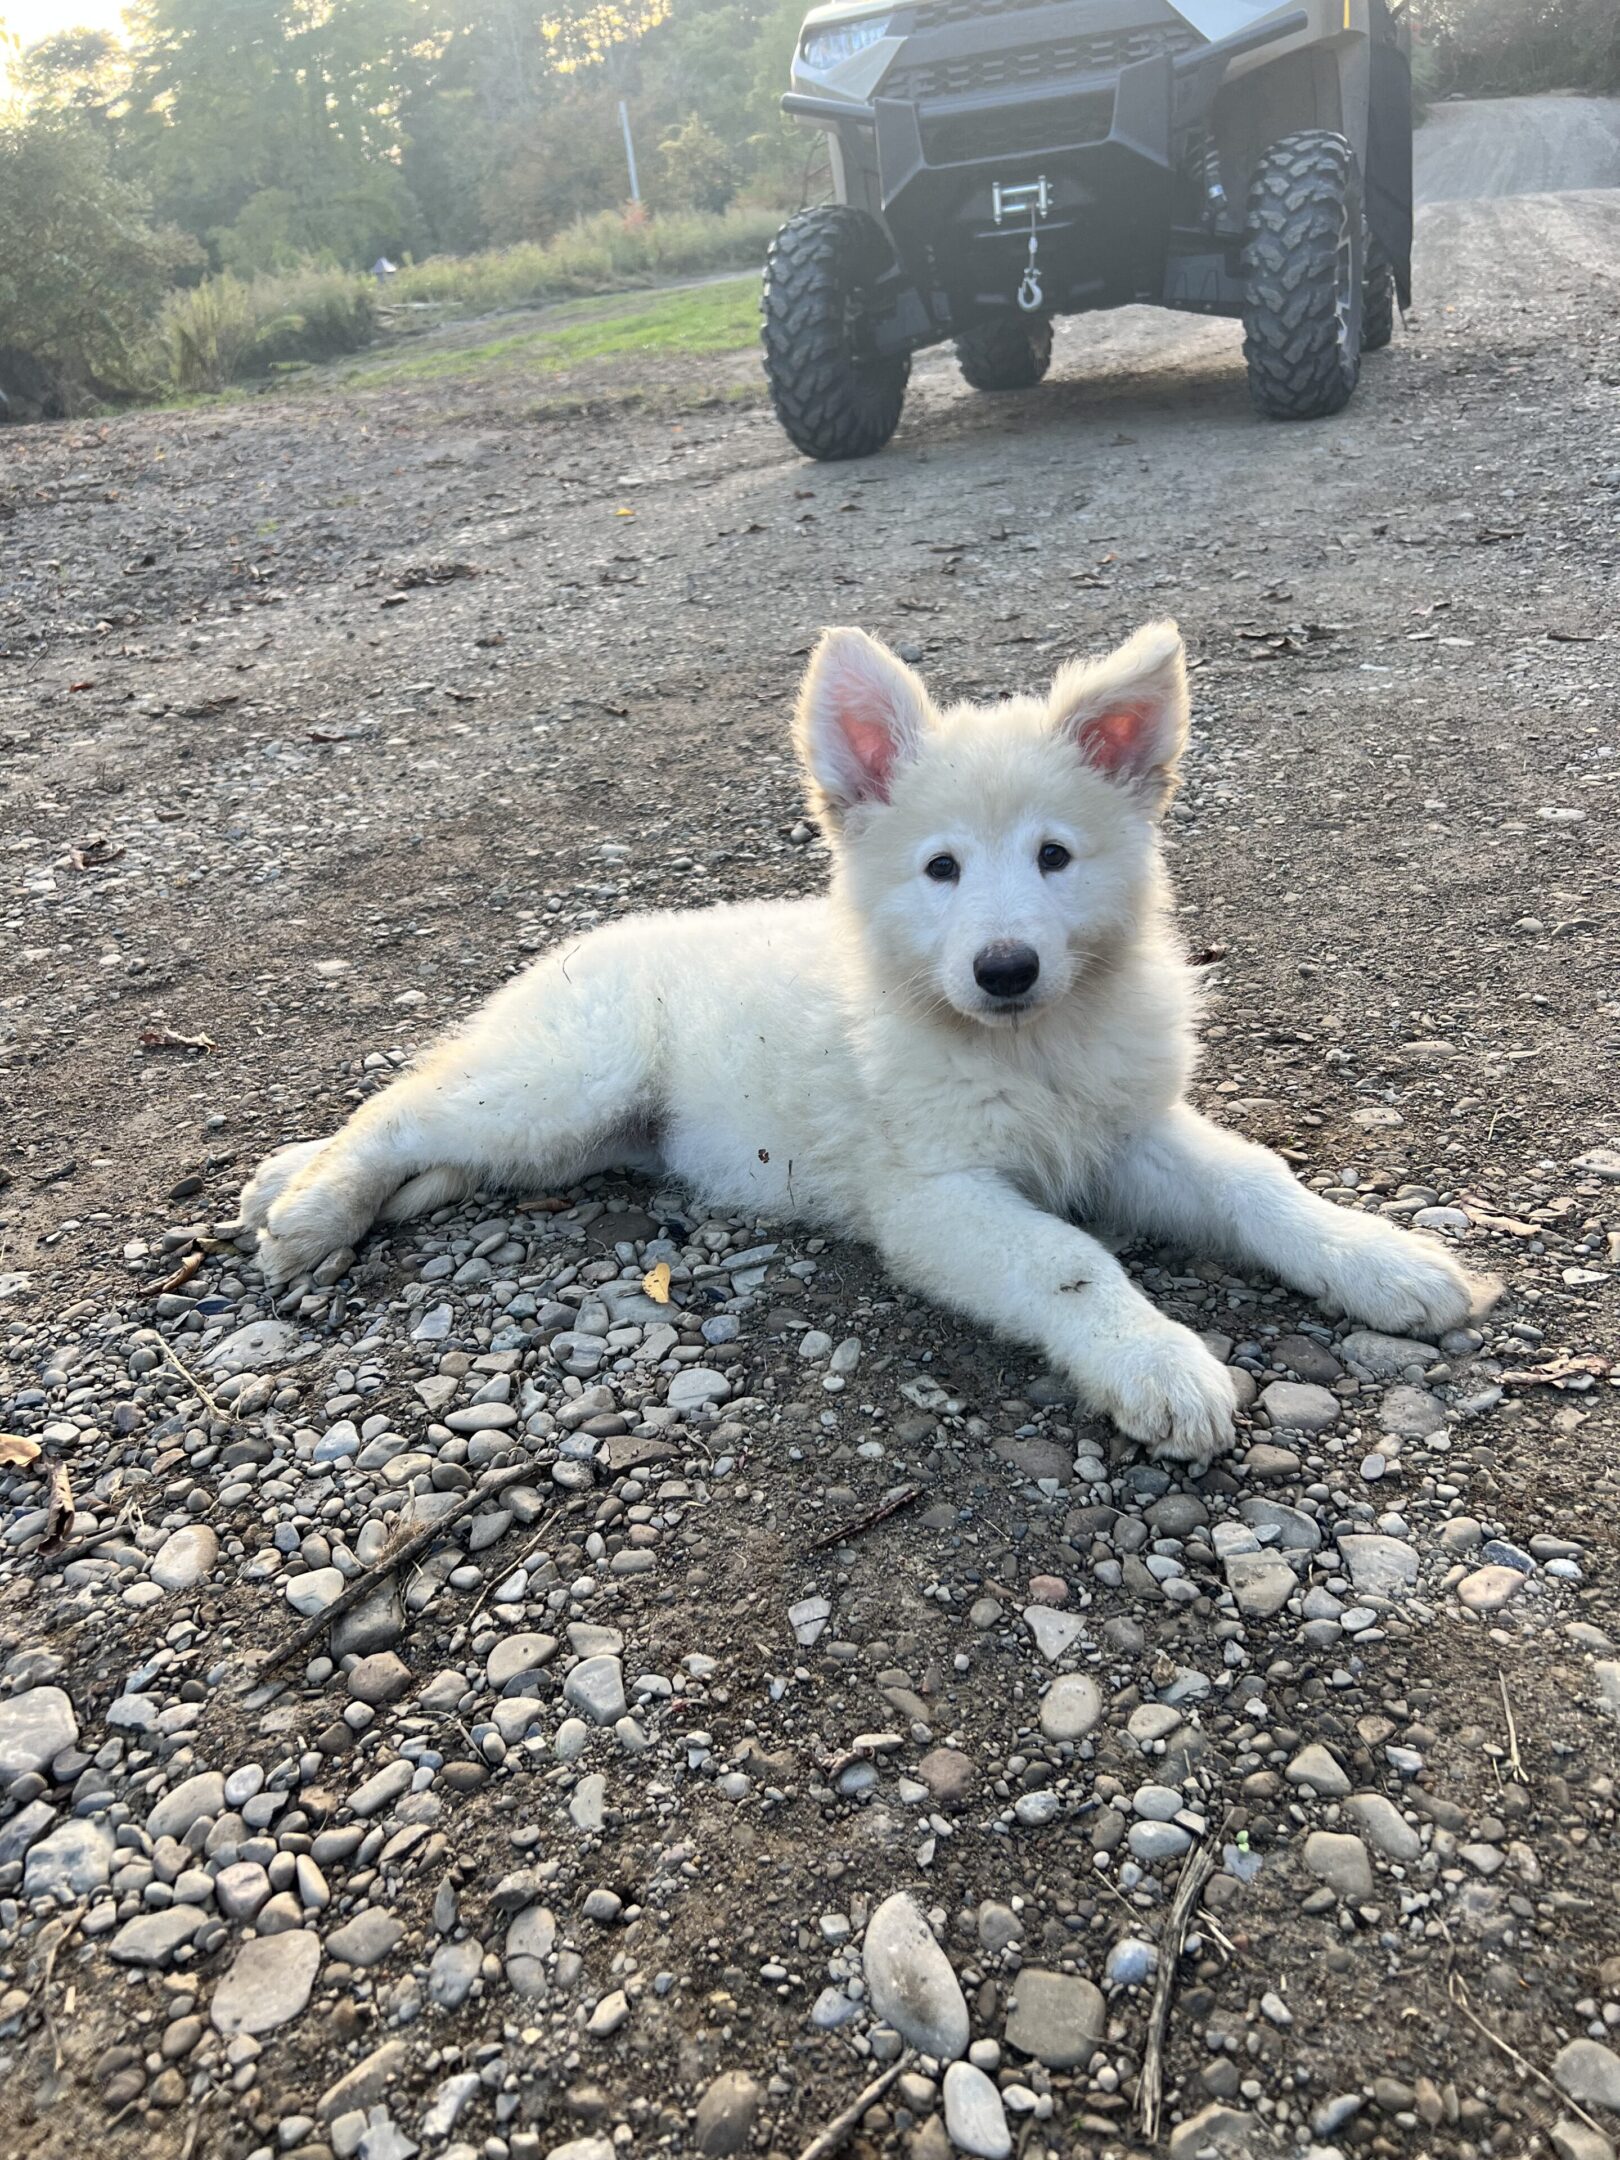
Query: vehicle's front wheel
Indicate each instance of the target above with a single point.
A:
(833, 393)
(1377, 300)
(1304, 263)
(1010, 352)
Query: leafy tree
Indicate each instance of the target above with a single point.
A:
(700, 173)
(77, 71)
(1520, 45)
(281, 105)
(83, 270)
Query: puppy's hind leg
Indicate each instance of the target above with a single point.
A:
(541, 1079)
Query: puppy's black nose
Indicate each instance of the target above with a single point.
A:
(1006, 970)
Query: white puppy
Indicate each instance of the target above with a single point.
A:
(981, 1033)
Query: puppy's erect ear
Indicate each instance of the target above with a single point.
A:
(1127, 714)
(861, 716)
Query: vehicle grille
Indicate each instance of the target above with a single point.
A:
(1102, 54)
(1014, 130)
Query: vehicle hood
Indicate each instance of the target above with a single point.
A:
(1212, 19)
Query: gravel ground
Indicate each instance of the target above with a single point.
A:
(1518, 146)
(661, 1791)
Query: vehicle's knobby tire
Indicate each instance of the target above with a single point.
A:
(1303, 264)
(833, 400)
(1377, 300)
(1011, 352)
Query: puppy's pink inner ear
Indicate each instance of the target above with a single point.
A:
(867, 729)
(1118, 741)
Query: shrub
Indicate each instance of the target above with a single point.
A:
(83, 270)
(229, 328)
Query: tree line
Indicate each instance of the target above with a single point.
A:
(232, 140)
(1495, 47)
(274, 132)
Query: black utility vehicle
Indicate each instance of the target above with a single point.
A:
(1000, 162)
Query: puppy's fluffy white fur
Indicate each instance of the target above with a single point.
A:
(838, 1060)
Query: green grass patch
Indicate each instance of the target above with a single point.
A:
(718, 318)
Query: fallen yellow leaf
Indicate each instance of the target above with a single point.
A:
(16, 1453)
(656, 1283)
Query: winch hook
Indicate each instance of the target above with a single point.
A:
(1029, 291)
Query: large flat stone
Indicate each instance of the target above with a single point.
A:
(1057, 2018)
(35, 1727)
(1300, 1406)
(269, 1984)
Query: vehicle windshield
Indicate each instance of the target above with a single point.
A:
(1215, 19)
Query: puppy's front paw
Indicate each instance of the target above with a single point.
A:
(1401, 1282)
(271, 1179)
(1164, 1390)
(319, 1212)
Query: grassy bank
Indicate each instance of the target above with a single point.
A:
(230, 330)
(606, 253)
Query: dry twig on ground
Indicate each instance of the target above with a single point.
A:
(495, 1481)
(842, 2127)
(1150, 2087)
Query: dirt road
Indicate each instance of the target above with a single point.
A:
(317, 715)
(1517, 146)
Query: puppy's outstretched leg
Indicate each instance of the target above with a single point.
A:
(970, 1241)
(1191, 1183)
(552, 1070)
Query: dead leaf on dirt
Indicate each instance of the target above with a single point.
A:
(437, 572)
(1560, 1372)
(167, 1039)
(1484, 1218)
(191, 1265)
(656, 1283)
(17, 1451)
(1295, 638)
(58, 1507)
(95, 853)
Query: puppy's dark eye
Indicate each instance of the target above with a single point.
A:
(1054, 856)
(943, 869)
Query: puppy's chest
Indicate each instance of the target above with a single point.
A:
(1052, 1123)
